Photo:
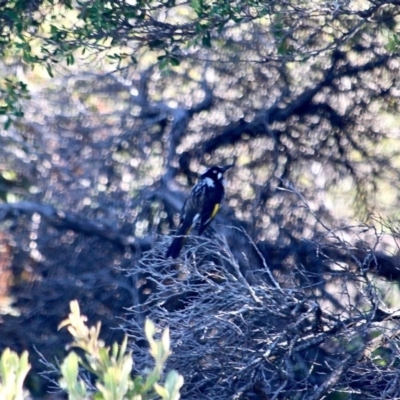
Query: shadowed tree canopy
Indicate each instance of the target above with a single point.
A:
(112, 109)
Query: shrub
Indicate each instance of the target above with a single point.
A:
(110, 366)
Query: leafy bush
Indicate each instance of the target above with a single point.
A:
(111, 367)
(13, 371)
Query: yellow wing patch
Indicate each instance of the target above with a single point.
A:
(213, 214)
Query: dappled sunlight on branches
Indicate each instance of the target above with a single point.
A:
(292, 286)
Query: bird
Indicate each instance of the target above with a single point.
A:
(200, 207)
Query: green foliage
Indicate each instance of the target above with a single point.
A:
(393, 44)
(113, 366)
(71, 382)
(46, 32)
(11, 93)
(13, 370)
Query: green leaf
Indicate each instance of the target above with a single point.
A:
(69, 368)
(174, 61)
(49, 70)
(13, 370)
(197, 6)
(173, 382)
(70, 59)
(163, 64)
(161, 391)
(7, 124)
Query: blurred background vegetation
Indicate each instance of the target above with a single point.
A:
(111, 109)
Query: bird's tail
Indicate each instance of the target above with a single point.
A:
(178, 242)
(176, 247)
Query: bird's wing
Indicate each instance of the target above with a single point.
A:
(209, 214)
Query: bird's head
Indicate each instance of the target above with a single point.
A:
(216, 173)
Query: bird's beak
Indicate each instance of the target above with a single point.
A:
(227, 167)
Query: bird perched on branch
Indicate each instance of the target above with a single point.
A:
(200, 207)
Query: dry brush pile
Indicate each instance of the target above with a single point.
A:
(249, 330)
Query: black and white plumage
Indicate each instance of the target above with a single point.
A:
(200, 207)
